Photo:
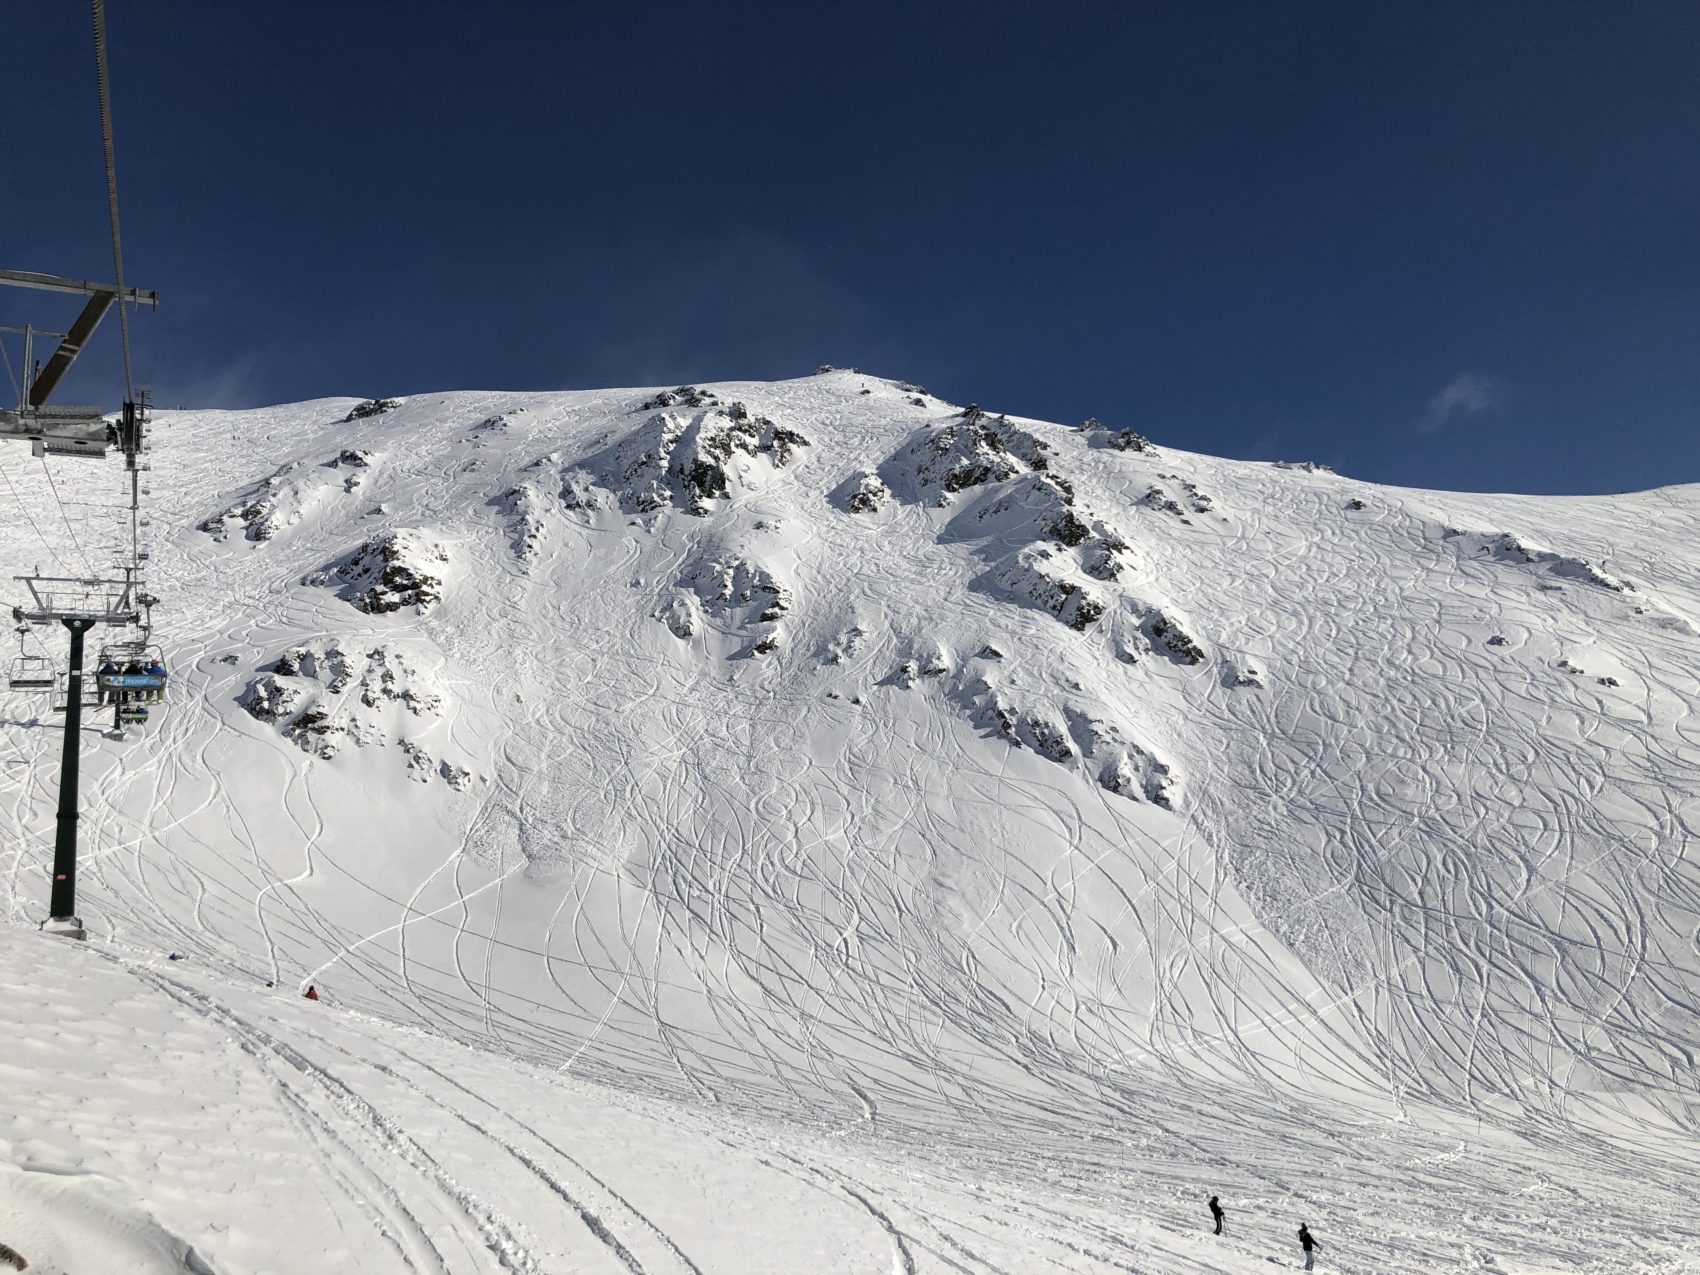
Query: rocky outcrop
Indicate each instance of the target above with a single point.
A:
(1502, 546)
(274, 503)
(268, 699)
(1099, 434)
(1165, 636)
(734, 587)
(372, 407)
(356, 462)
(321, 697)
(971, 451)
(522, 507)
(1067, 733)
(684, 396)
(688, 462)
(864, 493)
(390, 572)
(1035, 577)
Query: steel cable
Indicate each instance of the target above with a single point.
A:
(34, 526)
(105, 79)
(66, 518)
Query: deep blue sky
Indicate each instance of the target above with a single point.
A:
(1436, 244)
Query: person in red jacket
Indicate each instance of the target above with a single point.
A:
(312, 993)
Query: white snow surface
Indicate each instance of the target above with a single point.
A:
(812, 827)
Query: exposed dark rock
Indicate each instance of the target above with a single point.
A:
(1169, 637)
(1068, 529)
(371, 407)
(1156, 498)
(866, 494)
(387, 573)
(269, 700)
(1047, 737)
(685, 395)
(1087, 611)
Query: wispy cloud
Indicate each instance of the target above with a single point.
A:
(1467, 394)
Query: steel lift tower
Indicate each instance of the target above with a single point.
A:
(83, 603)
(78, 603)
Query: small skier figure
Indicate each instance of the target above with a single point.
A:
(312, 994)
(1216, 1212)
(1307, 1244)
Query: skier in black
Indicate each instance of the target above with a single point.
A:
(1216, 1212)
(1307, 1244)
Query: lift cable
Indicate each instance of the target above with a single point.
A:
(28, 631)
(103, 74)
(66, 518)
(19, 505)
(112, 187)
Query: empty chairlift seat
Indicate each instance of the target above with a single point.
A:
(31, 673)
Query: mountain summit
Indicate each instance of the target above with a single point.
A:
(1023, 808)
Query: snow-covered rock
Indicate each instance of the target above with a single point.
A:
(388, 572)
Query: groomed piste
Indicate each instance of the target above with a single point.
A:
(813, 826)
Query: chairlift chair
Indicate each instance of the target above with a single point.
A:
(130, 688)
(30, 672)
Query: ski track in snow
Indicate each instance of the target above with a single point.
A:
(1410, 958)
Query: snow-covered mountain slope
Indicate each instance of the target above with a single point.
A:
(996, 806)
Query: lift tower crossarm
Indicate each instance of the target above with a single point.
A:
(79, 287)
(100, 299)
